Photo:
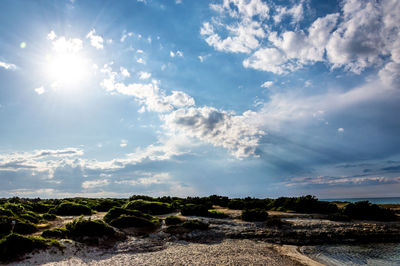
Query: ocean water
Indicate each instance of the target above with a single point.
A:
(388, 200)
(384, 254)
(352, 255)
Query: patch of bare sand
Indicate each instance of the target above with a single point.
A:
(227, 252)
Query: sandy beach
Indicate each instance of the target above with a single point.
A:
(226, 252)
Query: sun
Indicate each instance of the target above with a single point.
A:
(67, 68)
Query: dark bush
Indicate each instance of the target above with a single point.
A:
(194, 210)
(79, 228)
(303, 204)
(104, 205)
(338, 217)
(364, 210)
(55, 233)
(274, 222)
(16, 208)
(151, 207)
(195, 225)
(39, 207)
(173, 220)
(70, 208)
(217, 214)
(21, 226)
(118, 211)
(31, 217)
(254, 215)
(125, 221)
(14, 246)
(49, 216)
(5, 212)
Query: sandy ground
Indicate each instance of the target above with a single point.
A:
(227, 252)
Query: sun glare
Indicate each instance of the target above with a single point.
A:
(67, 68)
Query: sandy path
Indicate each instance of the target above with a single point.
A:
(227, 252)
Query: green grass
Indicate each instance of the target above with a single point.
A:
(21, 226)
(118, 211)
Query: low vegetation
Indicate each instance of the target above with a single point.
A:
(151, 207)
(173, 220)
(71, 208)
(13, 246)
(254, 215)
(195, 225)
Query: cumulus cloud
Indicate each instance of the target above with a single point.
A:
(8, 66)
(148, 95)
(124, 72)
(144, 75)
(95, 40)
(217, 127)
(67, 45)
(95, 183)
(363, 34)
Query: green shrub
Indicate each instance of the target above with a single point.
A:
(303, 204)
(70, 208)
(195, 224)
(14, 207)
(151, 207)
(5, 212)
(254, 215)
(364, 210)
(21, 226)
(79, 228)
(31, 217)
(194, 210)
(173, 220)
(104, 205)
(125, 221)
(217, 214)
(13, 246)
(39, 207)
(55, 233)
(118, 211)
(274, 222)
(338, 217)
(49, 216)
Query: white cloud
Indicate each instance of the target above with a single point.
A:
(340, 130)
(217, 127)
(267, 84)
(139, 51)
(141, 61)
(361, 35)
(125, 35)
(95, 40)
(51, 36)
(8, 66)
(64, 45)
(40, 90)
(95, 183)
(177, 53)
(144, 75)
(124, 72)
(123, 143)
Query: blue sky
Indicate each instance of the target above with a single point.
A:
(229, 97)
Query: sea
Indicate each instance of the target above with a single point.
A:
(379, 254)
